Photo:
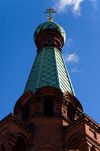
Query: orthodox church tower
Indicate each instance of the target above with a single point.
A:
(48, 116)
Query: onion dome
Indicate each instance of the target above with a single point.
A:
(49, 34)
(51, 26)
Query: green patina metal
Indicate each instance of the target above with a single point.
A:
(50, 25)
(63, 76)
(49, 70)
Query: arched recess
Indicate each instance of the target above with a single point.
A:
(20, 145)
(2, 148)
(74, 143)
(48, 106)
(23, 137)
(93, 148)
(70, 112)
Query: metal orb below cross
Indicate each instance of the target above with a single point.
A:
(50, 11)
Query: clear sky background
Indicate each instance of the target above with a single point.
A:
(81, 51)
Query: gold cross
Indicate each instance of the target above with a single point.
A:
(50, 11)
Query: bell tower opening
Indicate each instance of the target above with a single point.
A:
(70, 112)
(26, 113)
(48, 104)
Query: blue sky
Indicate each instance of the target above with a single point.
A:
(81, 51)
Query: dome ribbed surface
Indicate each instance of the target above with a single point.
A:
(50, 25)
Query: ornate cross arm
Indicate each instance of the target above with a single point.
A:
(50, 11)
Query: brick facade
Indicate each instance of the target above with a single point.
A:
(58, 131)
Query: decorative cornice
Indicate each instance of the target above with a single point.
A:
(9, 138)
(12, 118)
(83, 119)
(48, 90)
(22, 100)
(70, 97)
(46, 144)
(92, 141)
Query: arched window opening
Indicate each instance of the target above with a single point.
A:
(93, 148)
(49, 41)
(70, 113)
(75, 145)
(21, 145)
(48, 107)
(26, 113)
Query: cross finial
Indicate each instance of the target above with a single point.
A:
(50, 11)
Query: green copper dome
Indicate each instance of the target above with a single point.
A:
(50, 25)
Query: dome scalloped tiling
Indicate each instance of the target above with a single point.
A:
(50, 25)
